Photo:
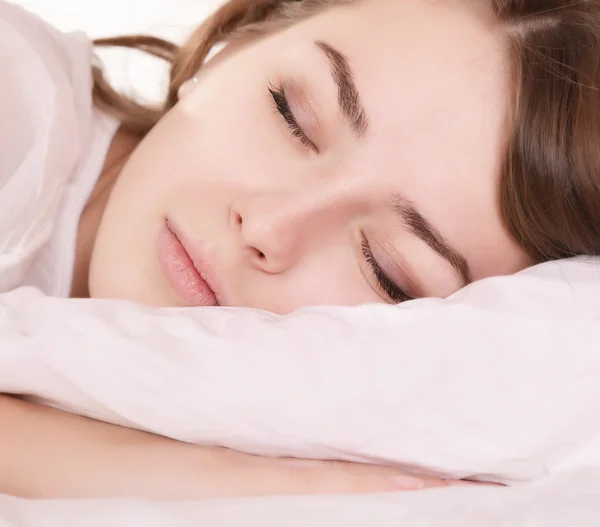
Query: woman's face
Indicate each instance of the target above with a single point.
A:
(351, 158)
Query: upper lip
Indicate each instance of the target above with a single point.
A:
(201, 262)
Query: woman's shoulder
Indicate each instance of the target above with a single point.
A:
(46, 126)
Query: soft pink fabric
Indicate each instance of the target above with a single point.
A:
(500, 381)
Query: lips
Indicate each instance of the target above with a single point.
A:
(188, 273)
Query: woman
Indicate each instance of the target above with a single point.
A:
(336, 152)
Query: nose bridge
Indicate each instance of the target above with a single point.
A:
(286, 213)
(301, 209)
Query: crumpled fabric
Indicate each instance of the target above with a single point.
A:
(499, 382)
(52, 145)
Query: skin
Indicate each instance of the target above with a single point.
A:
(282, 224)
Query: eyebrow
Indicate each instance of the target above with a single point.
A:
(423, 229)
(348, 95)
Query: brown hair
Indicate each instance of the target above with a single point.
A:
(550, 182)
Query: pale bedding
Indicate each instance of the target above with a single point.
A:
(500, 382)
(568, 502)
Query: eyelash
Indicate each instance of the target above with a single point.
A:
(395, 293)
(283, 107)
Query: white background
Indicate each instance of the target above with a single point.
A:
(133, 72)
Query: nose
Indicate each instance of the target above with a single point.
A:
(276, 228)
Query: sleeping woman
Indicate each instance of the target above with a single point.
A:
(334, 152)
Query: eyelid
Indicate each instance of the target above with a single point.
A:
(409, 280)
(282, 106)
(393, 291)
(305, 110)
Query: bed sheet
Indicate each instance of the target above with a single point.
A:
(571, 501)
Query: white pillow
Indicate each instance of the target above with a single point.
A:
(500, 381)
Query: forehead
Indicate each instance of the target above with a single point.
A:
(423, 66)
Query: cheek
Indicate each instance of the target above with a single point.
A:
(209, 143)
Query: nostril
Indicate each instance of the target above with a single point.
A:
(238, 219)
(256, 256)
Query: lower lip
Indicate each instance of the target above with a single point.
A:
(180, 271)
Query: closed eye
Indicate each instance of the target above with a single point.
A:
(394, 292)
(282, 106)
